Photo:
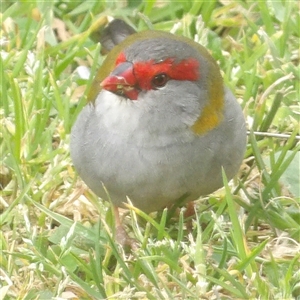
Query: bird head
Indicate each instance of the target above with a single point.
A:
(159, 68)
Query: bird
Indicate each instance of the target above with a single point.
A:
(159, 123)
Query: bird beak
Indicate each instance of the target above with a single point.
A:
(122, 81)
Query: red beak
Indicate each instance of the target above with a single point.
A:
(122, 81)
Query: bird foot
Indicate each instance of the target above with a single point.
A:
(124, 240)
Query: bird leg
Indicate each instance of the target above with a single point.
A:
(122, 236)
(188, 214)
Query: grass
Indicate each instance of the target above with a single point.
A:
(57, 237)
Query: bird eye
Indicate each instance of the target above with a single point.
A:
(159, 80)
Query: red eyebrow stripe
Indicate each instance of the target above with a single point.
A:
(121, 58)
(145, 71)
(187, 69)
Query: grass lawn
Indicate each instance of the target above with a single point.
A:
(57, 239)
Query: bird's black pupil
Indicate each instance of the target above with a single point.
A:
(160, 80)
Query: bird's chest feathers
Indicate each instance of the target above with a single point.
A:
(127, 122)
